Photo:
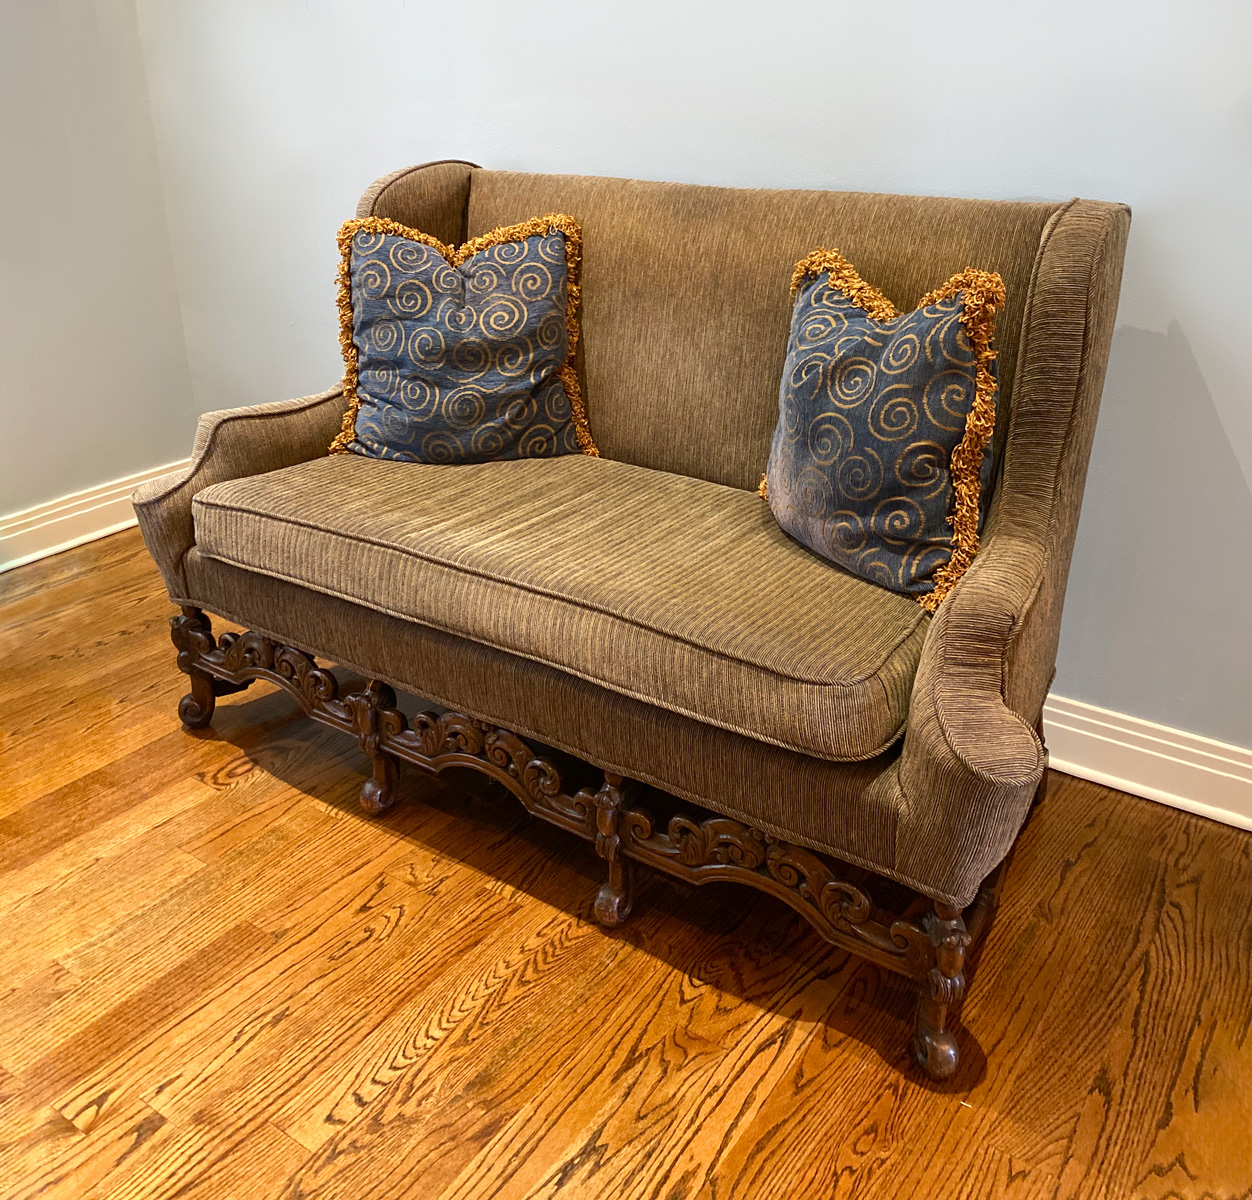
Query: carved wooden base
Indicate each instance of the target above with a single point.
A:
(378, 793)
(434, 741)
(616, 894)
(192, 635)
(941, 989)
(925, 942)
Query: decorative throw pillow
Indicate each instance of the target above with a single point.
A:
(878, 461)
(460, 355)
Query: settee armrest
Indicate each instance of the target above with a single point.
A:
(231, 444)
(970, 764)
(971, 759)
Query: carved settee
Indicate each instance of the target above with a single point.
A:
(753, 713)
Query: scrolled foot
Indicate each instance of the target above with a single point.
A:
(378, 793)
(195, 709)
(377, 798)
(936, 1052)
(940, 991)
(192, 713)
(613, 904)
(192, 635)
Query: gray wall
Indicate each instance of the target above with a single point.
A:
(271, 117)
(1158, 616)
(95, 383)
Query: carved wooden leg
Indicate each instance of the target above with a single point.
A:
(616, 894)
(192, 635)
(941, 989)
(378, 793)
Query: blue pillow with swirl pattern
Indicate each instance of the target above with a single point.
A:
(879, 457)
(460, 355)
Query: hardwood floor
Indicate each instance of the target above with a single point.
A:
(221, 980)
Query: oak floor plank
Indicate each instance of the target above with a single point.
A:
(688, 1068)
(52, 634)
(356, 1082)
(472, 1070)
(413, 947)
(249, 1161)
(40, 590)
(288, 858)
(1118, 957)
(34, 1139)
(93, 792)
(26, 1001)
(78, 566)
(494, 1084)
(170, 992)
(687, 1098)
(19, 1112)
(81, 704)
(837, 1117)
(330, 1006)
(195, 1041)
(290, 1036)
(241, 1014)
(301, 762)
(57, 919)
(84, 1165)
(106, 841)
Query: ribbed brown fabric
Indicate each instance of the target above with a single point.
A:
(673, 590)
(971, 759)
(686, 304)
(938, 812)
(848, 809)
(431, 197)
(230, 444)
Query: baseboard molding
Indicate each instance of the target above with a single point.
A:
(1180, 769)
(74, 519)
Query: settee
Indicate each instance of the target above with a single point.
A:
(727, 705)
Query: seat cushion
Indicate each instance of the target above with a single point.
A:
(675, 591)
(850, 810)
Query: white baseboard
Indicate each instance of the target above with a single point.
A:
(1181, 769)
(74, 519)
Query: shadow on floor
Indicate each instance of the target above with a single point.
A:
(744, 942)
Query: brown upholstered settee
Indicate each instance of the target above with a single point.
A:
(751, 712)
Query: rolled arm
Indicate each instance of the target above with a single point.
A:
(971, 759)
(970, 764)
(230, 445)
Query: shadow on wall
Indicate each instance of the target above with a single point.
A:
(1158, 615)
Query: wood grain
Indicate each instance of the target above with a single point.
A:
(220, 980)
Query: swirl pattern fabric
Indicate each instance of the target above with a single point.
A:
(879, 460)
(461, 356)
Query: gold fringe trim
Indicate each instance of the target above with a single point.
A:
(983, 296)
(343, 277)
(762, 488)
(455, 257)
(843, 278)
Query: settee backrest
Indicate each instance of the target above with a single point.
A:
(686, 303)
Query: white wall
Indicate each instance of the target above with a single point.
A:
(272, 115)
(94, 384)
